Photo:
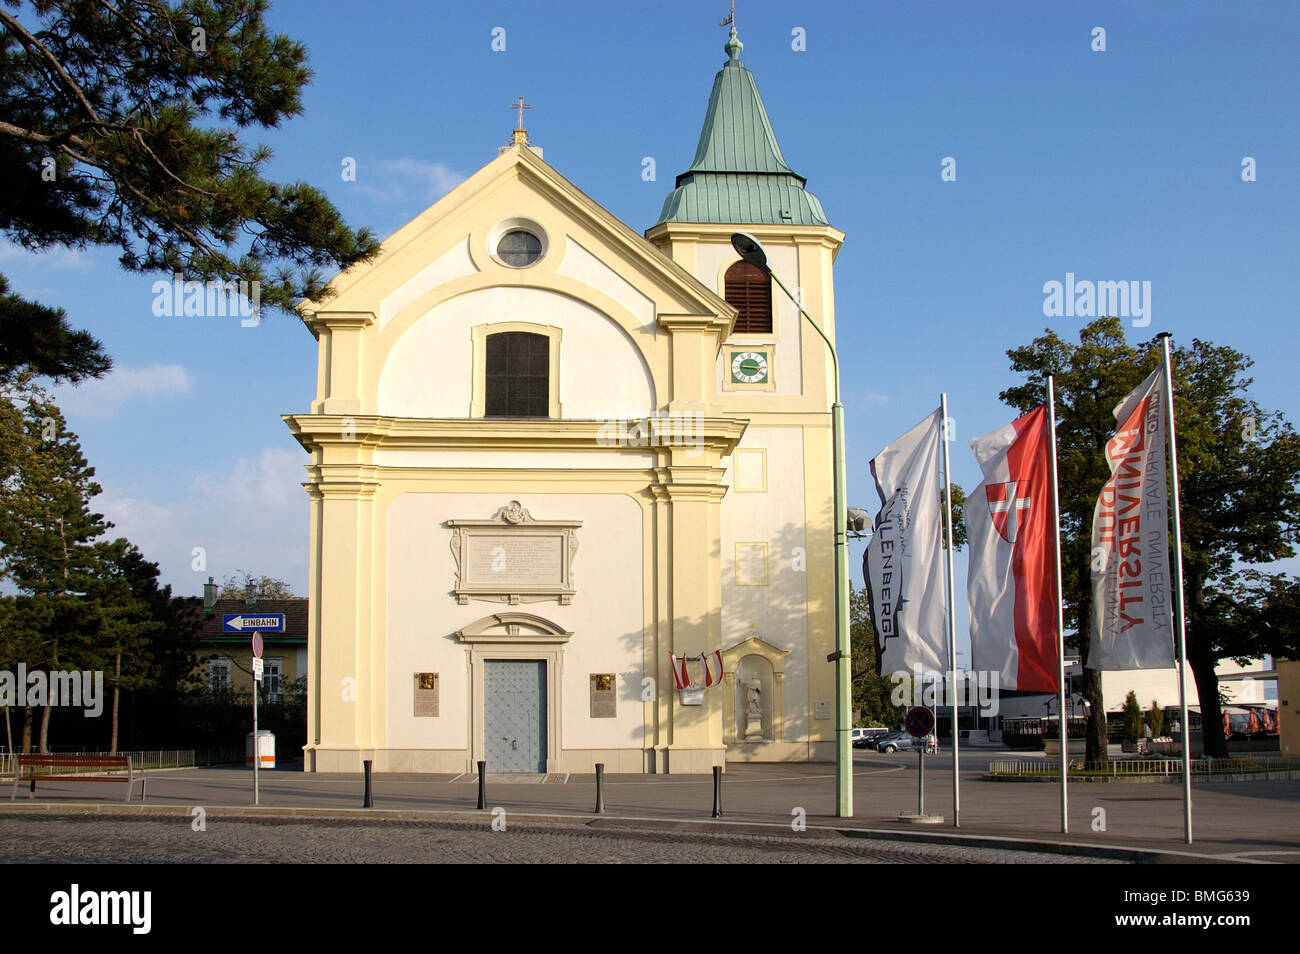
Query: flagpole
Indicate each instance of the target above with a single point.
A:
(952, 614)
(1182, 605)
(1064, 733)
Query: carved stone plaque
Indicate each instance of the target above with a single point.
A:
(531, 560)
(426, 693)
(514, 558)
(603, 696)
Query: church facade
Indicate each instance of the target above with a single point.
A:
(549, 453)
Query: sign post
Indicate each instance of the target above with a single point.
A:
(257, 739)
(919, 723)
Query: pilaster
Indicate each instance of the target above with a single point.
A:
(339, 378)
(696, 341)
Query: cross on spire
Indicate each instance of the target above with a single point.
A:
(521, 106)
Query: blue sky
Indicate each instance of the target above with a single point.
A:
(1117, 165)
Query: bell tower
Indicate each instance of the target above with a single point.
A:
(777, 529)
(739, 181)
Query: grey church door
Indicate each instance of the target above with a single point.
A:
(514, 715)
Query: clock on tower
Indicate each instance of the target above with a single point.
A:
(750, 367)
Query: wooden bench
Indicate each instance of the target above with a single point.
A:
(32, 764)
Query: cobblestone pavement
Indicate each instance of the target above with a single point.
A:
(151, 839)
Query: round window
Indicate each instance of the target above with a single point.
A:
(519, 248)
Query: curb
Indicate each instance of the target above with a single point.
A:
(1238, 778)
(1131, 854)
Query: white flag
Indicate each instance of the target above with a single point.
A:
(904, 560)
(1131, 609)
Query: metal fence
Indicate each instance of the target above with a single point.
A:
(1260, 765)
(140, 760)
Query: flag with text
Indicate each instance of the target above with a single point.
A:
(1132, 619)
(904, 560)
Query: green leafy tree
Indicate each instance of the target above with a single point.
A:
(238, 586)
(1156, 719)
(121, 125)
(1132, 718)
(958, 516)
(1239, 467)
(1258, 612)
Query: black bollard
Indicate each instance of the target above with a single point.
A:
(717, 791)
(600, 788)
(369, 802)
(482, 785)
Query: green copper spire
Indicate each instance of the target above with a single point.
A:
(738, 175)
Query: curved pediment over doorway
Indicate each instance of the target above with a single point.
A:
(513, 627)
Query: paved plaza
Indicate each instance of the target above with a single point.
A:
(656, 818)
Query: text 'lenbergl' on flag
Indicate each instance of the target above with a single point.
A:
(1131, 578)
(904, 560)
(1011, 585)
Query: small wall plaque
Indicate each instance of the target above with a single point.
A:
(426, 693)
(603, 696)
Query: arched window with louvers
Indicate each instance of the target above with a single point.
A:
(747, 289)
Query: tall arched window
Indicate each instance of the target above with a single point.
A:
(517, 381)
(747, 289)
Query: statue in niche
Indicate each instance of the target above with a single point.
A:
(753, 709)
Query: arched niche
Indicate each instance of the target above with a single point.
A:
(754, 659)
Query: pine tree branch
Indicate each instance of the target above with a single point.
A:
(33, 44)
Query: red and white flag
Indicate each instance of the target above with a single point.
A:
(1132, 620)
(1010, 586)
(681, 678)
(712, 663)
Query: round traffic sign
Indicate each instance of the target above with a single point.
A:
(919, 722)
(257, 645)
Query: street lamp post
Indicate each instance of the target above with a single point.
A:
(748, 248)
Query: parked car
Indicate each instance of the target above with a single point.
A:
(864, 738)
(893, 742)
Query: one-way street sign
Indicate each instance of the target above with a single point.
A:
(239, 622)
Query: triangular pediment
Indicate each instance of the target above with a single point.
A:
(754, 646)
(519, 177)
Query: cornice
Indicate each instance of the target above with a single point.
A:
(716, 323)
(823, 235)
(664, 433)
(333, 320)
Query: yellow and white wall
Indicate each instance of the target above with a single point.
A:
(719, 543)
